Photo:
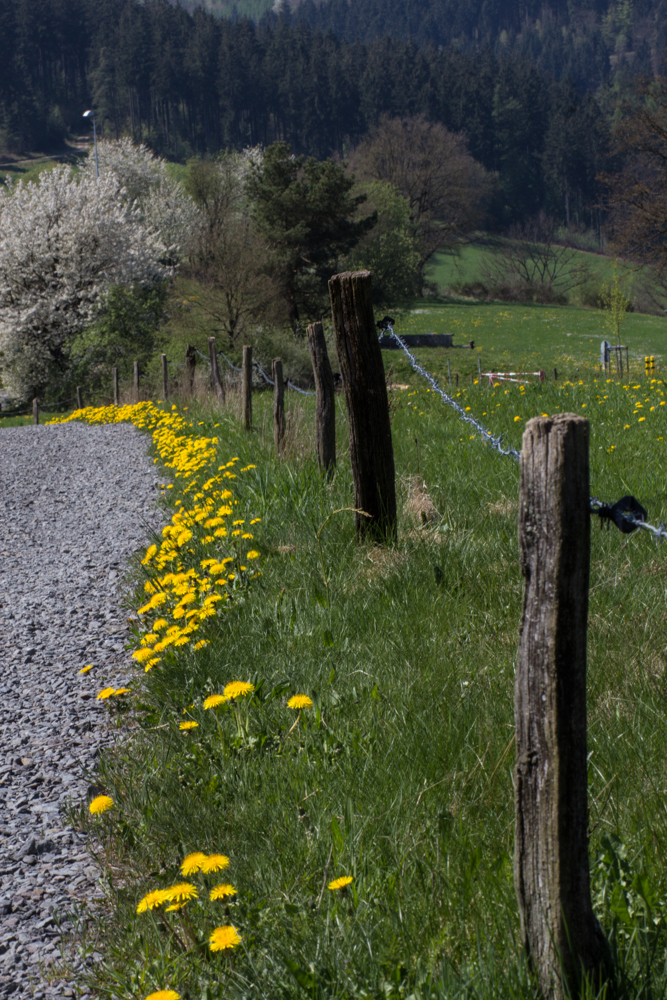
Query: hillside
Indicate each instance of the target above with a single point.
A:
(588, 42)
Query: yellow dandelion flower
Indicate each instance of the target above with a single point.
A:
(201, 644)
(214, 700)
(164, 995)
(253, 554)
(222, 890)
(105, 693)
(238, 689)
(181, 892)
(160, 623)
(100, 804)
(140, 655)
(84, 670)
(121, 691)
(224, 937)
(151, 663)
(340, 883)
(175, 907)
(192, 863)
(516, 418)
(156, 897)
(188, 725)
(300, 701)
(215, 863)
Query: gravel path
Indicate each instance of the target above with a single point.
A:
(74, 501)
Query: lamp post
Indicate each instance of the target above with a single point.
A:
(91, 114)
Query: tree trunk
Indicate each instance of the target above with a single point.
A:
(360, 359)
(562, 936)
(325, 400)
(247, 386)
(278, 406)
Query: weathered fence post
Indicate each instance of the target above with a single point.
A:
(247, 386)
(35, 410)
(215, 374)
(278, 405)
(360, 359)
(114, 377)
(449, 372)
(325, 399)
(165, 377)
(79, 398)
(562, 936)
(190, 364)
(136, 381)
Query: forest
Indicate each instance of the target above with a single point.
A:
(192, 84)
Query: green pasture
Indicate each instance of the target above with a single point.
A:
(401, 774)
(520, 337)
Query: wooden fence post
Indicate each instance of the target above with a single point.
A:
(79, 398)
(114, 376)
(190, 365)
(562, 936)
(247, 385)
(136, 381)
(218, 387)
(278, 405)
(360, 359)
(165, 377)
(35, 410)
(325, 400)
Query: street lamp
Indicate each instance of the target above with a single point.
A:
(91, 114)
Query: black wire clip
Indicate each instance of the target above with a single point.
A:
(386, 323)
(626, 513)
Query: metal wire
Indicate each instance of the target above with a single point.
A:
(496, 441)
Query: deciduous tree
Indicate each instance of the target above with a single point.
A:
(64, 242)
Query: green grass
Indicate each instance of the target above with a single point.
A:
(401, 775)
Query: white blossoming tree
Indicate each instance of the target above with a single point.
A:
(64, 242)
(162, 203)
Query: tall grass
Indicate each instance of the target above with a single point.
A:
(401, 773)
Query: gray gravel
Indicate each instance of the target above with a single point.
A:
(75, 502)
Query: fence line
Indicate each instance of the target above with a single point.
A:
(627, 513)
(256, 364)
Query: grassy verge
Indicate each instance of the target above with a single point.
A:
(399, 777)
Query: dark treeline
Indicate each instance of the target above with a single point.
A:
(191, 84)
(586, 41)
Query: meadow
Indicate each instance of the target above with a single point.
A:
(396, 775)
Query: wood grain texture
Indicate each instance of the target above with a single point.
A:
(563, 938)
(278, 405)
(247, 386)
(325, 399)
(216, 381)
(360, 360)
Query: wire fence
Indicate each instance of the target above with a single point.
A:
(256, 364)
(627, 513)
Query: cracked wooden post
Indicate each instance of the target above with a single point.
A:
(114, 379)
(135, 380)
(561, 934)
(325, 400)
(278, 405)
(35, 410)
(247, 386)
(165, 377)
(216, 382)
(360, 360)
(79, 398)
